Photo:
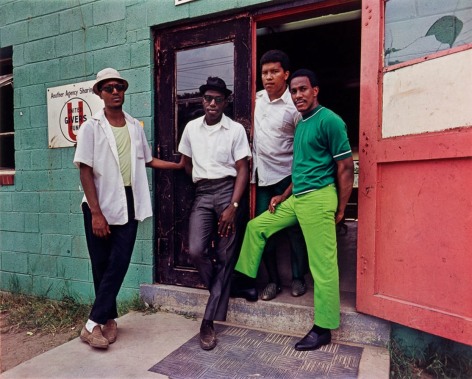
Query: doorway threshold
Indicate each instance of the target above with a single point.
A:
(284, 314)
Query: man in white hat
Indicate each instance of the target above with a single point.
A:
(112, 154)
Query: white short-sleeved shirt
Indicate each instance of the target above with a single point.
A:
(274, 128)
(96, 147)
(214, 149)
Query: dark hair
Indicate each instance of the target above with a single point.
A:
(273, 56)
(309, 74)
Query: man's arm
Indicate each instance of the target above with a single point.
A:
(242, 178)
(166, 165)
(345, 180)
(100, 225)
(226, 222)
(188, 165)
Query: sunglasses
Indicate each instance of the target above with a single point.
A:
(109, 88)
(218, 99)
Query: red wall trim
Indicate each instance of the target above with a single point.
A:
(439, 54)
(7, 179)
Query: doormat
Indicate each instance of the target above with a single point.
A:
(245, 353)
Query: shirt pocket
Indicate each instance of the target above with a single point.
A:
(287, 128)
(139, 150)
(222, 154)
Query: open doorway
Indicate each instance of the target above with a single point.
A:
(332, 50)
(330, 46)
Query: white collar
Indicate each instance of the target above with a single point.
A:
(224, 122)
(286, 97)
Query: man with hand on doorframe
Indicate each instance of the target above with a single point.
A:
(112, 154)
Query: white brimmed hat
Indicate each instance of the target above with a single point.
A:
(108, 74)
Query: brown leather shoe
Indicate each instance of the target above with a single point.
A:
(110, 331)
(94, 339)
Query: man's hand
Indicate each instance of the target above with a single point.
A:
(226, 222)
(339, 216)
(276, 200)
(100, 226)
(345, 180)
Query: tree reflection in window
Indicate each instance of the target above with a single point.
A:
(194, 66)
(414, 28)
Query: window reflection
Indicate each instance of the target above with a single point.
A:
(416, 28)
(194, 66)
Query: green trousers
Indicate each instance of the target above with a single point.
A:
(298, 254)
(315, 212)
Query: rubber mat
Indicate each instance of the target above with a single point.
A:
(246, 353)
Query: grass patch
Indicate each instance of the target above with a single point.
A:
(432, 363)
(135, 304)
(39, 314)
(43, 315)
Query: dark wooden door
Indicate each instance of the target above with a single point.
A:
(185, 57)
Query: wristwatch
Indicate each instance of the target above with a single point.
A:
(235, 204)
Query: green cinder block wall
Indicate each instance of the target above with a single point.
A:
(59, 42)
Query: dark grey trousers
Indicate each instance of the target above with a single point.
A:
(213, 256)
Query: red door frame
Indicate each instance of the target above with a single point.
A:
(376, 157)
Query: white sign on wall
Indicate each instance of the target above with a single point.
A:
(68, 107)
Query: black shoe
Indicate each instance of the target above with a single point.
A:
(313, 341)
(298, 287)
(250, 294)
(270, 291)
(207, 336)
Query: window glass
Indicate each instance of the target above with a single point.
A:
(416, 28)
(7, 133)
(194, 66)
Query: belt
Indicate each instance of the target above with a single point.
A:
(215, 181)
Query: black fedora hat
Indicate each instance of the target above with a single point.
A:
(216, 84)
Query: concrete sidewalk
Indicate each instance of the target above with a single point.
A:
(143, 341)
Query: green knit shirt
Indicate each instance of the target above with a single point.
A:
(320, 140)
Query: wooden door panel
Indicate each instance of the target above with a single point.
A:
(415, 207)
(415, 248)
(185, 57)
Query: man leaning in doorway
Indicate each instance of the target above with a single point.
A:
(216, 152)
(322, 178)
(112, 154)
(275, 119)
